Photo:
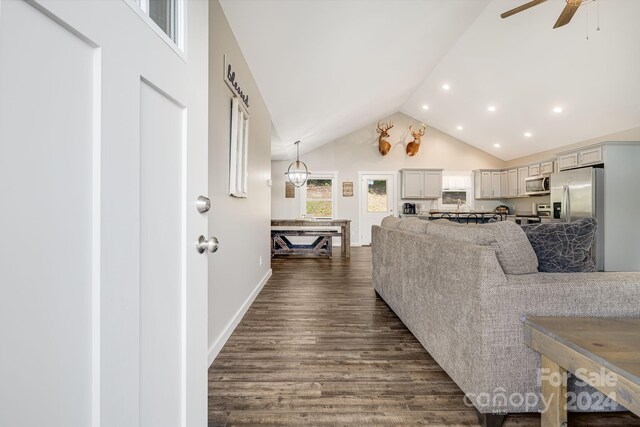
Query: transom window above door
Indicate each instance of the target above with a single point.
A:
(166, 17)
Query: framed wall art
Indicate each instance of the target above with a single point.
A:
(238, 150)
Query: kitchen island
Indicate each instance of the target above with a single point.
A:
(464, 217)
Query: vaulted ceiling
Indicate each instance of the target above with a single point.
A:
(328, 67)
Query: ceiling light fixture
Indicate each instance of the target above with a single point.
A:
(459, 127)
(425, 107)
(528, 134)
(297, 172)
(557, 109)
(491, 108)
(496, 145)
(446, 86)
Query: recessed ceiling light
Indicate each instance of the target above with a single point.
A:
(459, 127)
(425, 107)
(491, 108)
(446, 86)
(496, 145)
(557, 109)
(528, 134)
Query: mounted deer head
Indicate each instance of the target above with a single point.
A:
(383, 144)
(414, 146)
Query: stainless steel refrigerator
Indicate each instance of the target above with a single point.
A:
(576, 194)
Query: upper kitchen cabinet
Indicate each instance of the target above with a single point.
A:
(504, 184)
(512, 183)
(421, 183)
(523, 174)
(488, 184)
(579, 158)
(546, 167)
(541, 168)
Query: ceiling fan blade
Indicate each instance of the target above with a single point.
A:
(520, 8)
(567, 13)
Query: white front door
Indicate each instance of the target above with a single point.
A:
(377, 201)
(103, 148)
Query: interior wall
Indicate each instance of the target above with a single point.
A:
(242, 264)
(358, 151)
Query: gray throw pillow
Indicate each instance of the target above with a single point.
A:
(563, 247)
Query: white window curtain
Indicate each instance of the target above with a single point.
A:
(456, 181)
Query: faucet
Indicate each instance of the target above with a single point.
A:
(459, 204)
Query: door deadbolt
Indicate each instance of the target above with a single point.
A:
(203, 204)
(203, 244)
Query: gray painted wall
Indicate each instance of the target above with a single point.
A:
(241, 225)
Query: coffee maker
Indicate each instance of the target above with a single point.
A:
(409, 209)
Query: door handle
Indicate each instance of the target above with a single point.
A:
(203, 244)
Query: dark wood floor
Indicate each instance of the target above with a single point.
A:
(318, 348)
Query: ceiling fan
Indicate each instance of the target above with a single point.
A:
(564, 18)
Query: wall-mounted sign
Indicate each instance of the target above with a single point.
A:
(347, 189)
(234, 84)
(289, 190)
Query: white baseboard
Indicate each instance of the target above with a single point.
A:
(233, 323)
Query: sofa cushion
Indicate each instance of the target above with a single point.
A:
(515, 253)
(390, 221)
(476, 235)
(413, 225)
(563, 247)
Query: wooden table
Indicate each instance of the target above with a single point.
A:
(607, 349)
(344, 224)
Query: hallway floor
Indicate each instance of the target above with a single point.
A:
(318, 348)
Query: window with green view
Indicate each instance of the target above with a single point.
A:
(320, 197)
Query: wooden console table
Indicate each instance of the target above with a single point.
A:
(344, 224)
(598, 347)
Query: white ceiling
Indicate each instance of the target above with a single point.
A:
(329, 67)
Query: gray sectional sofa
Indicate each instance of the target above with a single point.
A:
(457, 293)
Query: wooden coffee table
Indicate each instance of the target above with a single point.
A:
(604, 348)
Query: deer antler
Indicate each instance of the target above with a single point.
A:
(420, 132)
(385, 127)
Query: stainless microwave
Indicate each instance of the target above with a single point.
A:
(537, 185)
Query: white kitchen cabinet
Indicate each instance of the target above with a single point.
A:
(534, 170)
(579, 158)
(432, 184)
(487, 184)
(495, 185)
(421, 183)
(546, 167)
(504, 184)
(590, 157)
(412, 182)
(523, 174)
(513, 183)
(568, 161)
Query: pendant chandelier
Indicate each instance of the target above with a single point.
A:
(297, 172)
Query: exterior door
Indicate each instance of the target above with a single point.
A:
(103, 148)
(377, 201)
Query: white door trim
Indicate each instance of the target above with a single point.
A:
(394, 201)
